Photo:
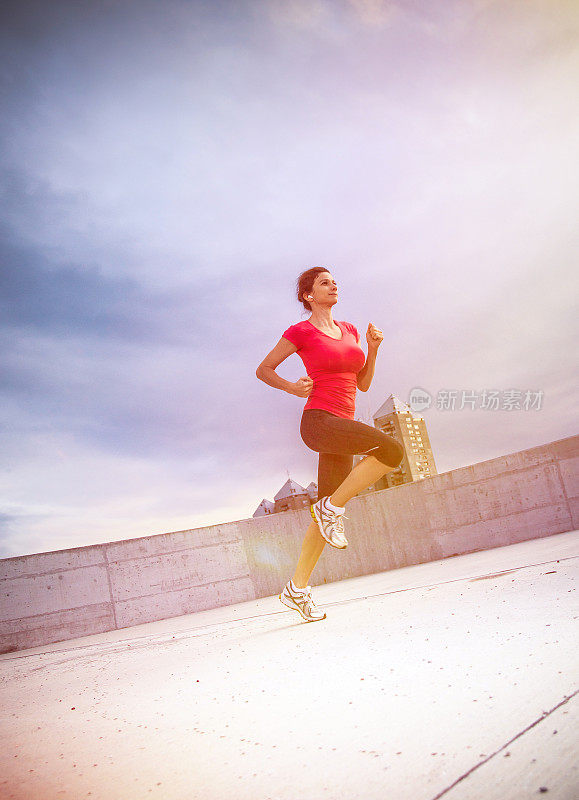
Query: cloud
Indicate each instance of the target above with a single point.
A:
(374, 12)
(300, 14)
(68, 300)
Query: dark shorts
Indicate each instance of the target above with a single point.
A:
(337, 440)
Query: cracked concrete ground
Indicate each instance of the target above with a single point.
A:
(454, 679)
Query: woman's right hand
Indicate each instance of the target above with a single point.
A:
(303, 387)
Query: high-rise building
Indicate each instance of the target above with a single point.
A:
(396, 418)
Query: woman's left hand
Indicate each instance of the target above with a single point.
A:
(374, 337)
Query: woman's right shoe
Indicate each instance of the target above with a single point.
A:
(330, 524)
(301, 601)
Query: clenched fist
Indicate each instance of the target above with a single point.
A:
(303, 387)
(374, 337)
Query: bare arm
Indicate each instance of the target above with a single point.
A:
(374, 337)
(266, 370)
(364, 377)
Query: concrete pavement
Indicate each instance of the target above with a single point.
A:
(457, 678)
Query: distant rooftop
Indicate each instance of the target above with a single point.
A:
(393, 403)
(290, 488)
(265, 507)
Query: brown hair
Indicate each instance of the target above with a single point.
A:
(305, 283)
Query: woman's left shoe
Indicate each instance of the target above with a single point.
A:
(330, 524)
(301, 600)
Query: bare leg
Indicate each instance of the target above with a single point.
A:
(364, 474)
(312, 548)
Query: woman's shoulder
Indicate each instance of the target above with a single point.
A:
(349, 326)
(302, 325)
(296, 333)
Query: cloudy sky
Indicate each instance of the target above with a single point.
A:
(168, 169)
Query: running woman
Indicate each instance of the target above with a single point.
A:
(336, 367)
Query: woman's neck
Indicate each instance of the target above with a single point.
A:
(322, 318)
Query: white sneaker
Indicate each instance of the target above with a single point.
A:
(301, 601)
(330, 524)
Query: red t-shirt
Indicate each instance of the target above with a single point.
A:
(332, 364)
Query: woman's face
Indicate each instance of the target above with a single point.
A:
(325, 289)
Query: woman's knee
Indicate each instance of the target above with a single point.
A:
(390, 453)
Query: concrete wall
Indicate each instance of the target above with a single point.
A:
(50, 597)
